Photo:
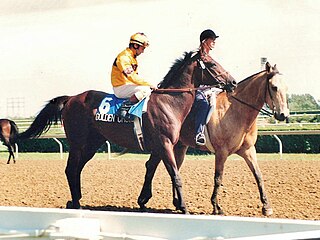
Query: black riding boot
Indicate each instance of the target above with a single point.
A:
(124, 109)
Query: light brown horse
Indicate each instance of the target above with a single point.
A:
(162, 122)
(8, 134)
(231, 129)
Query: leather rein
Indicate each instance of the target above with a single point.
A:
(262, 110)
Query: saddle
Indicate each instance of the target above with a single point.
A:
(108, 108)
(110, 105)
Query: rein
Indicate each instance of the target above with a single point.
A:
(262, 110)
(190, 90)
(179, 90)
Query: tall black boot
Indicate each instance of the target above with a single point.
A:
(124, 109)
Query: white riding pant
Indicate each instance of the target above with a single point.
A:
(126, 91)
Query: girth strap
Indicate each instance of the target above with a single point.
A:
(137, 129)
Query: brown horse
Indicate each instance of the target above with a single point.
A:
(231, 129)
(8, 135)
(167, 110)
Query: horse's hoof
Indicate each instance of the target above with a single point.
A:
(143, 200)
(267, 211)
(70, 205)
(218, 212)
(186, 212)
(142, 208)
(183, 210)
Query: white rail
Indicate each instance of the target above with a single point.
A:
(50, 223)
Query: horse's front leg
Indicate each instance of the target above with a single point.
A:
(250, 156)
(219, 168)
(146, 192)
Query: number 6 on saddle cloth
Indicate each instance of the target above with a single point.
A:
(110, 105)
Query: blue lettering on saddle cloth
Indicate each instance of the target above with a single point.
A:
(109, 106)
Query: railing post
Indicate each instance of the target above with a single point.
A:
(109, 149)
(17, 151)
(60, 146)
(280, 145)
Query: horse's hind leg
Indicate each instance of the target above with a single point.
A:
(250, 156)
(11, 152)
(146, 192)
(73, 176)
(78, 157)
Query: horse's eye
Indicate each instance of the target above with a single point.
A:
(274, 88)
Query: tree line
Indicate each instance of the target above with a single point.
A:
(302, 102)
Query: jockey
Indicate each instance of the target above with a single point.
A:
(124, 75)
(201, 104)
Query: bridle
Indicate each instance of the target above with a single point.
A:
(203, 67)
(262, 110)
(212, 73)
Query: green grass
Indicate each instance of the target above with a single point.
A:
(144, 157)
(288, 127)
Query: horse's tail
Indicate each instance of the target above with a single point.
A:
(50, 114)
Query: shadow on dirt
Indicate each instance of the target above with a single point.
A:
(128, 209)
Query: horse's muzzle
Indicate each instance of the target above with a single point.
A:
(281, 117)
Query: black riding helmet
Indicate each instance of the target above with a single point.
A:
(207, 34)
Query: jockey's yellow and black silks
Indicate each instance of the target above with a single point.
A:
(124, 70)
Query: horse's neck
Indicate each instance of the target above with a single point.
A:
(250, 99)
(254, 92)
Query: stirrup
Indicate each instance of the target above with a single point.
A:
(200, 139)
(124, 109)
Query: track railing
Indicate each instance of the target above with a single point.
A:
(57, 131)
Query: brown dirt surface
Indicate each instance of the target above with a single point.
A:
(293, 187)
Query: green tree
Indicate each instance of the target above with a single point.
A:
(302, 102)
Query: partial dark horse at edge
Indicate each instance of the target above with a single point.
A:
(8, 135)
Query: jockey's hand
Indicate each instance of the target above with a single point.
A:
(154, 87)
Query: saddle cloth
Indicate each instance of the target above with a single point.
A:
(110, 104)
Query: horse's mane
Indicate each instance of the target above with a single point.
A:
(176, 69)
(250, 77)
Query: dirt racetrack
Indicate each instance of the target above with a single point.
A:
(293, 186)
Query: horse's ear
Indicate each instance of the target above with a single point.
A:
(275, 69)
(268, 67)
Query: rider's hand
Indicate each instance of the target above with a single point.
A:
(153, 87)
(230, 86)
